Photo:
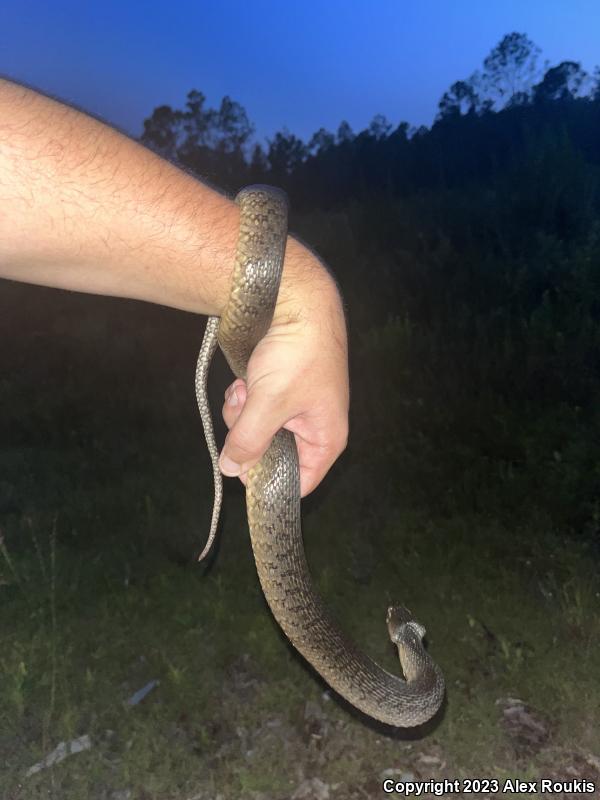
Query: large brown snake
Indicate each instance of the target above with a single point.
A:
(273, 498)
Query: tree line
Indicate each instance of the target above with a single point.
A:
(468, 254)
(496, 108)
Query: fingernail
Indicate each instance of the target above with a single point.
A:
(232, 398)
(229, 467)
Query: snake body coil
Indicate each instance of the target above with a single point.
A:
(273, 499)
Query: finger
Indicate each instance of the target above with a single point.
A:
(250, 434)
(235, 399)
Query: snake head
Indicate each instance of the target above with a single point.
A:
(399, 622)
(407, 635)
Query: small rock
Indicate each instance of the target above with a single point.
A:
(138, 696)
(312, 789)
(431, 761)
(400, 775)
(61, 751)
(593, 761)
(525, 727)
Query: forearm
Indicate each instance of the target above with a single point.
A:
(84, 207)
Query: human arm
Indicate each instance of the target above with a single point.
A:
(85, 208)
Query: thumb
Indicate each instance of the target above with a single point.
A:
(249, 436)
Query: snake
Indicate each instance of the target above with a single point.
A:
(273, 498)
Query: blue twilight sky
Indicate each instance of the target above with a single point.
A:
(302, 64)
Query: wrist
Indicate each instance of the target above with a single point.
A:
(307, 287)
(310, 306)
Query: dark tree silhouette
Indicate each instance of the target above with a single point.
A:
(510, 70)
(259, 166)
(322, 140)
(232, 126)
(286, 153)
(461, 98)
(161, 131)
(562, 82)
(344, 133)
(596, 88)
(209, 141)
(379, 126)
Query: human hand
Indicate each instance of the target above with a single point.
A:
(297, 378)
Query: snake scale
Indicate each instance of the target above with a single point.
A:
(273, 498)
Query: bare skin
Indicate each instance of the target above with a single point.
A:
(85, 208)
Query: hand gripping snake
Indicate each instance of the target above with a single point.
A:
(273, 498)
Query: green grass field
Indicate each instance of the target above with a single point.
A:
(105, 497)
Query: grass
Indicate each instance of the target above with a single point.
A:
(104, 496)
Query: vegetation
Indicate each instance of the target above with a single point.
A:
(468, 491)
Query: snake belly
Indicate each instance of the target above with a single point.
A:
(273, 499)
